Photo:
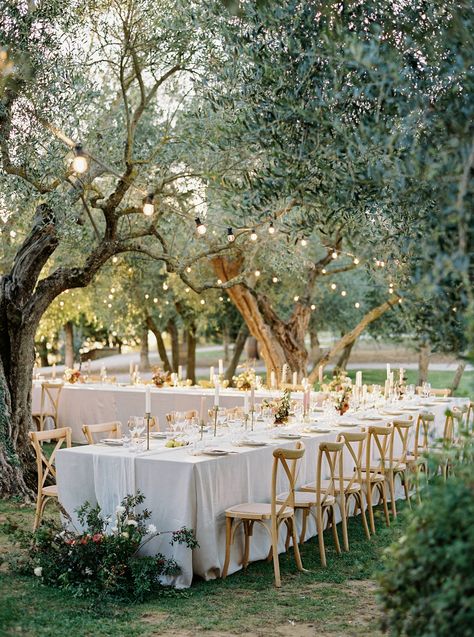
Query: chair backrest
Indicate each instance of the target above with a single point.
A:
(192, 413)
(442, 392)
(355, 444)
(470, 414)
(45, 466)
(50, 393)
(114, 427)
(288, 459)
(332, 454)
(378, 441)
(422, 433)
(400, 433)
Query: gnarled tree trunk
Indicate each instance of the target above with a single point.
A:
(191, 353)
(69, 344)
(152, 326)
(172, 330)
(144, 351)
(238, 349)
(423, 363)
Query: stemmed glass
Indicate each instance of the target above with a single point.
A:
(426, 390)
(136, 426)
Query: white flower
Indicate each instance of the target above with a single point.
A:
(132, 523)
(88, 571)
(151, 529)
(38, 571)
(125, 535)
(119, 509)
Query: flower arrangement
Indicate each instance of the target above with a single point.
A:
(280, 407)
(245, 380)
(342, 401)
(340, 382)
(101, 560)
(160, 377)
(71, 375)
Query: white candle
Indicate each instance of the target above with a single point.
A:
(320, 374)
(202, 411)
(131, 368)
(246, 403)
(272, 380)
(148, 400)
(89, 366)
(388, 371)
(387, 388)
(180, 372)
(402, 373)
(136, 369)
(364, 392)
(252, 398)
(358, 379)
(54, 371)
(283, 373)
(216, 392)
(221, 366)
(211, 374)
(295, 378)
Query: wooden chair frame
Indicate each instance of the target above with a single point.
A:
(279, 512)
(375, 476)
(113, 427)
(45, 466)
(398, 464)
(444, 392)
(50, 392)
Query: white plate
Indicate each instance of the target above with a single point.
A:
(347, 424)
(158, 434)
(251, 443)
(371, 417)
(393, 413)
(288, 436)
(215, 452)
(112, 442)
(428, 404)
(317, 430)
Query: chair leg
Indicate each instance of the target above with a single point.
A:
(319, 526)
(384, 493)
(334, 530)
(362, 515)
(370, 507)
(303, 525)
(247, 533)
(228, 538)
(39, 511)
(276, 563)
(343, 506)
(391, 484)
(288, 534)
(406, 487)
(296, 548)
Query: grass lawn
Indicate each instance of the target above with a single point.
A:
(437, 379)
(337, 601)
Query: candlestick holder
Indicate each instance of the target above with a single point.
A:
(216, 410)
(201, 428)
(246, 421)
(252, 418)
(148, 420)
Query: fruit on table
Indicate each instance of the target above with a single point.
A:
(176, 443)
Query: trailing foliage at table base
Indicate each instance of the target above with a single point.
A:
(102, 560)
(427, 584)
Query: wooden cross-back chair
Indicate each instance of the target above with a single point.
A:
(50, 395)
(114, 428)
(45, 466)
(416, 460)
(324, 495)
(444, 392)
(470, 417)
(398, 461)
(275, 513)
(374, 472)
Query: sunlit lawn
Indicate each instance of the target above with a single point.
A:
(339, 600)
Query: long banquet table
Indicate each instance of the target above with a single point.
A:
(194, 490)
(92, 403)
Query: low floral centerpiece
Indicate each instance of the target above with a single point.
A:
(280, 407)
(103, 559)
(160, 378)
(245, 380)
(340, 388)
(71, 375)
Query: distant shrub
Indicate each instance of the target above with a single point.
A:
(428, 575)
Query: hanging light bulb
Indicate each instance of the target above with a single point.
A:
(313, 307)
(230, 235)
(333, 286)
(79, 163)
(155, 300)
(257, 273)
(271, 229)
(296, 298)
(334, 255)
(203, 301)
(147, 296)
(343, 293)
(275, 279)
(219, 281)
(356, 261)
(200, 227)
(323, 271)
(188, 269)
(253, 235)
(357, 305)
(304, 242)
(148, 206)
(114, 259)
(165, 286)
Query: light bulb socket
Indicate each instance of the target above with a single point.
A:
(271, 228)
(79, 150)
(253, 235)
(200, 227)
(230, 235)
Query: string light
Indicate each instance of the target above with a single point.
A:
(147, 296)
(155, 300)
(200, 227)
(79, 163)
(296, 298)
(357, 305)
(188, 269)
(275, 279)
(203, 301)
(343, 293)
(12, 234)
(333, 286)
(323, 271)
(257, 272)
(253, 235)
(356, 261)
(187, 289)
(165, 286)
(111, 296)
(313, 307)
(221, 298)
(271, 229)
(334, 255)
(219, 282)
(230, 235)
(114, 259)
(109, 305)
(148, 206)
(303, 242)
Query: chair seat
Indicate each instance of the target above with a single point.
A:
(306, 499)
(400, 466)
(375, 476)
(355, 486)
(50, 491)
(255, 511)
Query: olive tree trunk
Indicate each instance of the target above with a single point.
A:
(69, 344)
(160, 344)
(423, 363)
(237, 353)
(144, 351)
(191, 353)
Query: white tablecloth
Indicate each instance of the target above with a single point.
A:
(193, 491)
(81, 404)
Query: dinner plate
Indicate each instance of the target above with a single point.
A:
(158, 434)
(393, 413)
(215, 452)
(371, 418)
(288, 436)
(428, 404)
(251, 443)
(317, 430)
(443, 400)
(112, 442)
(347, 424)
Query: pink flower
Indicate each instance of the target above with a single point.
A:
(97, 537)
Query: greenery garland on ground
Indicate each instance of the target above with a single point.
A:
(428, 581)
(103, 559)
